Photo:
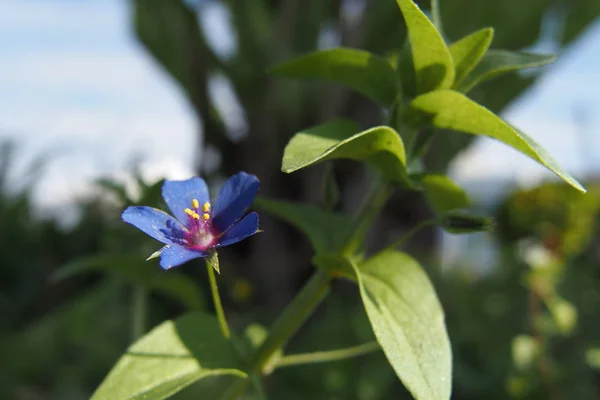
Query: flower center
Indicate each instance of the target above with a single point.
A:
(200, 226)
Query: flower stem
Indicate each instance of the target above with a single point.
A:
(139, 309)
(212, 261)
(402, 239)
(327, 356)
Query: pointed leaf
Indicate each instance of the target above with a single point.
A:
(449, 109)
(444, 194)
(433, 64)
(380, 147)
(408, 321)
(132, 268)
(324, 229)
(498, 62)
(359, 70)
(468, 51)
(172, 356)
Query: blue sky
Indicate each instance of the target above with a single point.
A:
(75, 84)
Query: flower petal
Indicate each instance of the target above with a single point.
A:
(173, 256)
(155, 223)
(179, 195)
(233, 200)
(248, 226)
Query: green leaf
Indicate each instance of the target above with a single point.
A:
(408, 321)
(498, 62)
(432, 60)
(444, 194)
(449, 109)
(324, 229)
(172, 356)
(380, 147)
(359, 70)
(468, 51)
(133, 269)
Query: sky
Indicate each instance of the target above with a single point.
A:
(75, 86)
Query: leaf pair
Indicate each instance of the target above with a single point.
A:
(440, 74)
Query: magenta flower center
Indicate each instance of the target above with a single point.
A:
(201, 234)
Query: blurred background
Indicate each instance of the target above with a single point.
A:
(100, 100)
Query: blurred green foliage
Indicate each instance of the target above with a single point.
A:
(527, 329)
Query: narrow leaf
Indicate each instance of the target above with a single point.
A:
(468, 51)
(133, 269)
(359, 70)
(449, 109)
(172, 356)
(324, 229)
(380, 147)
(444, 194)
(498, 62)
(432, 60)
(408, 321)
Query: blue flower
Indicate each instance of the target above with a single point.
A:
(198, 226)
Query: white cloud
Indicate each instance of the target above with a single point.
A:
(95, 105)
(61, 14)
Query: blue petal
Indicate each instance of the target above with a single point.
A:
(234, 199)
(179, 195)
(173, 256)
(248, 226)
(155, 223)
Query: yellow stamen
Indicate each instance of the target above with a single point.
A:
(195, 204)
(206, 216)
(191, 213)
(206, 207)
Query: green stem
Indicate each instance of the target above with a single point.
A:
(292, 318)
(139, 309)
(436, 15)
(294, 315)
(311, 295)
(402, 239)
(371, 207)
(327, 356)
(212, 264)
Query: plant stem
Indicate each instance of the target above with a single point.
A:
(402, 239)
(311, 295)
(294, 315)
(326, 356)
(436, 15)
(211, 261)
(139, 309)
(370, 209)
